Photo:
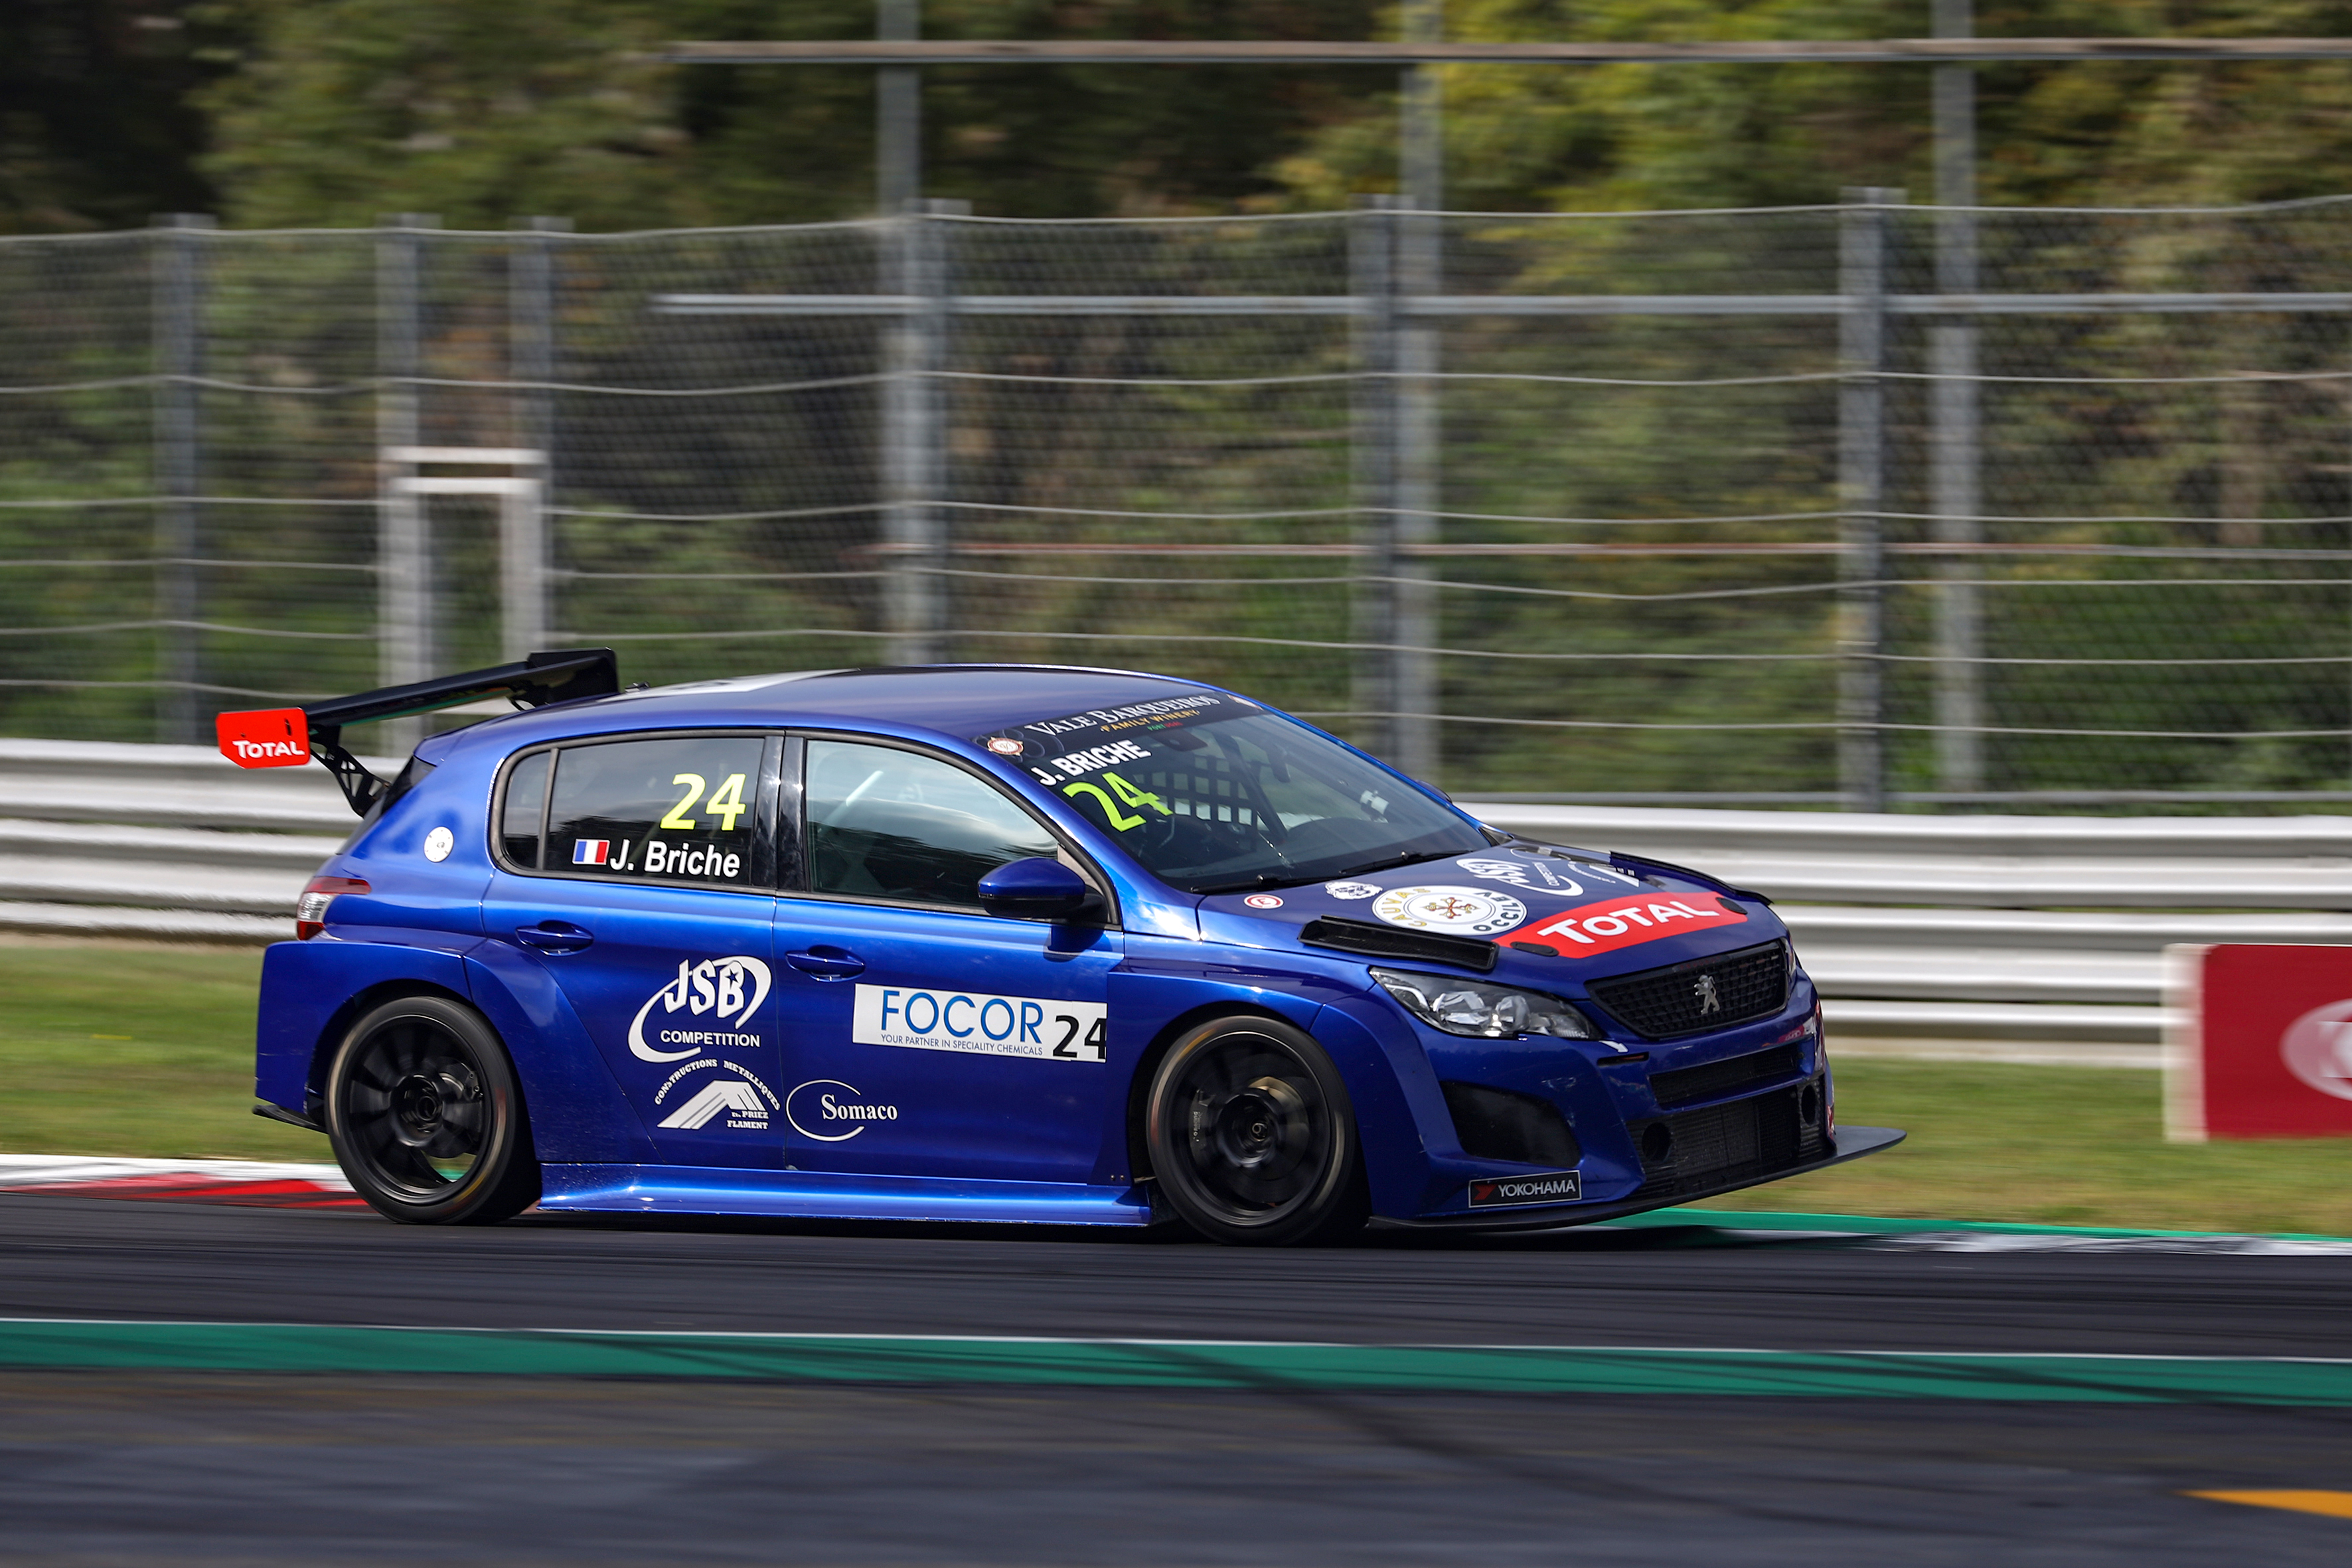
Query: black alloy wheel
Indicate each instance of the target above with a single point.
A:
(1252, 1138)
(427, 1118)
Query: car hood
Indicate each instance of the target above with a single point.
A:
(1560, 914)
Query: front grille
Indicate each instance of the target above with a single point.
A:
(1722, 1145)
(1496, 1125)
(1702, 993)
(1708, 1079)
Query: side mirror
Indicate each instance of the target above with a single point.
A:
(1039, 889)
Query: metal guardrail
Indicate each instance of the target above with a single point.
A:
(2026, 930)
(2030, 929)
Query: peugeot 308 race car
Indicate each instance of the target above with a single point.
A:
(990, 943)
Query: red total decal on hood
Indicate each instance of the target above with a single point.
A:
(1605, 927)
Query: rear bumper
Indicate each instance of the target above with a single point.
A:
(1852, 1143)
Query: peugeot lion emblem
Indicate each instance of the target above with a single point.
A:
(1703, 989)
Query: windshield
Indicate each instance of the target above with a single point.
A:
(1212, 793)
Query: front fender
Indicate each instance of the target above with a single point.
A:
(1398, 1098)
(1163, 987)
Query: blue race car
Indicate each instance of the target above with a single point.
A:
(998, 942)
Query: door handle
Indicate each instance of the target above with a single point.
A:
(826, 962)
(554, 936)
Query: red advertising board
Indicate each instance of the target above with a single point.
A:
(2260, 1043)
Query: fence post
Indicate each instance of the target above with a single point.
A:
(1418, 268)
(525, 603)
(1373, 444)
(898, 112)
(1862, 484)
(1958, 498)
(179, 289)
(404, 544)
(914, 437)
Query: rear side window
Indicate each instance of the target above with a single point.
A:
(680, 809)
(525, 803)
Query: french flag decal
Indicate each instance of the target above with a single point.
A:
(591, 851)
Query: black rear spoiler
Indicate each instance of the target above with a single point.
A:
(271, 738)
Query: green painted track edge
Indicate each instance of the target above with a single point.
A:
(1884, 1224)
(1116, 1364)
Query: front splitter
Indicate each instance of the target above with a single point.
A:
(1852, 1143)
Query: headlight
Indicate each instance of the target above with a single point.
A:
(1473, 1007)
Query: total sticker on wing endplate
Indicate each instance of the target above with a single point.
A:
(978, 1024)
(1608, 925)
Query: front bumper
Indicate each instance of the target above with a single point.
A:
(1850, 1143)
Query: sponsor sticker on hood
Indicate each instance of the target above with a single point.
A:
(1453, 912)
(1560, 875)
(1608, 924)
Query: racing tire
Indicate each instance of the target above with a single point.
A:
(426, 1117)
(1252, 1137)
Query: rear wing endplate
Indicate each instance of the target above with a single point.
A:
(290, 737)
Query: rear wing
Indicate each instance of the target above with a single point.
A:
(290, 737)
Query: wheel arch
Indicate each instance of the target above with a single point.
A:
(338, 1025)
(1147, 1065)
(312, 992)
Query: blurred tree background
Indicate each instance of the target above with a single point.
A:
(320, 112)
(329, 113)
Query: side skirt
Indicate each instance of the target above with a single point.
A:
(807, 1194)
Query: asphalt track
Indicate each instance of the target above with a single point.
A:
(144, 1466)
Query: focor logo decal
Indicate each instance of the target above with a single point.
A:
(724, 988)
(833, 1106)
(1457, 911)
(1613, 926)
(978, 1024)
(1559, 1187)
(2317, 1048)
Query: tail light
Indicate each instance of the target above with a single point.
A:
(311, 909)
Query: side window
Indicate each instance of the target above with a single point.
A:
(679, 809)
(519, 813)
(887, 824)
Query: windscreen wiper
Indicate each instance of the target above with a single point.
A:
(1407, 858)
(1263, 879)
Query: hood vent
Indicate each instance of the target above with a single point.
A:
(1395, 941)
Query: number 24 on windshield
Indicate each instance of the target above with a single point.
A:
(1127, 796)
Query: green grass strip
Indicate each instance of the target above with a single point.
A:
(1122, 1364)
(1886, 1225)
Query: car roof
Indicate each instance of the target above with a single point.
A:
(959, 700)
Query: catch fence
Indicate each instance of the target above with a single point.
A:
(1857, 504)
